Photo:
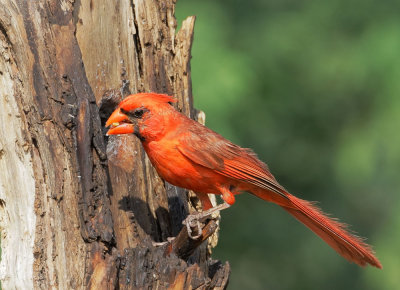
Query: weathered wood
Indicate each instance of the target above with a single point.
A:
(79, 209)
(183, 245)
(17, 183)
(146, 267)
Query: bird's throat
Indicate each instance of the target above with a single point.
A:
(137, 133)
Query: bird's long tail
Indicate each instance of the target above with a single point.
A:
(331, 231)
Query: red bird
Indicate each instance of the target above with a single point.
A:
(189, 155)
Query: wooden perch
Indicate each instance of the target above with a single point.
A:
(184, 246)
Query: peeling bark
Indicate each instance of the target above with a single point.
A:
(78, 209)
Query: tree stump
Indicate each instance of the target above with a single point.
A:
(78, 209)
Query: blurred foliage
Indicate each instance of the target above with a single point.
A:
(314, 88)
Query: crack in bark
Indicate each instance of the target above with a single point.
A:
(3, 30)
(136, 40)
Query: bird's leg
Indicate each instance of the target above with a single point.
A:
(201, 215)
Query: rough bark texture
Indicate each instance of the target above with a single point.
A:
(78, 209)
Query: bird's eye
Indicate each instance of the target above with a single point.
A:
(138, 113)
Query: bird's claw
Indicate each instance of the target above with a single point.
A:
(193, 225)
(196, 219)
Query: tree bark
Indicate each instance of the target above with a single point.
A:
(78, 209)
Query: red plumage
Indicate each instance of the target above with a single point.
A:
(188, 154)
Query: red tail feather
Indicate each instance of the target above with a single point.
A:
(331, 231)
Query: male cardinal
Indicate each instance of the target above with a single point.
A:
(189, 155)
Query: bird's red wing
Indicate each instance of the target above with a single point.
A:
(203, 149)
(241, 169)
(209, 149)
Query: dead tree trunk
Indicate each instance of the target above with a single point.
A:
(77, 209)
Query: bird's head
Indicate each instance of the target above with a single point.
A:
(141, 114)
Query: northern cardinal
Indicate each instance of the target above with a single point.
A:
(189, 155)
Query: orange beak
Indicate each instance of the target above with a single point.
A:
(118, 123)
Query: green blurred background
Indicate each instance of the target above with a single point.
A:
(314, 88)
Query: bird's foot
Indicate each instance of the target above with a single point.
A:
(193, 221)
(193, 226)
